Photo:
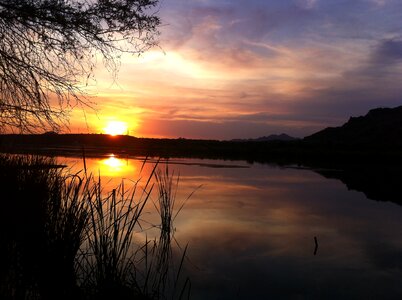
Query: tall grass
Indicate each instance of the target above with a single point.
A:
(168, 184)
(62, 238)
(109, 269)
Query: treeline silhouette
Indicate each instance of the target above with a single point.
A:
(306, 151)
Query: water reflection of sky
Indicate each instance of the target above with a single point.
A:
(251, 233)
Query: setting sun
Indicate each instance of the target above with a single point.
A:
(116, 128)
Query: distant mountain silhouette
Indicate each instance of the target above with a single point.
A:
(378, 128)
(272, 137)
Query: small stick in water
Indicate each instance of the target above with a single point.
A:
(316, 245)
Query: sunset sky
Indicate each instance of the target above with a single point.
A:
(248, 68)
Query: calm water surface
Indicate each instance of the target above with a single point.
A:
(251, 228)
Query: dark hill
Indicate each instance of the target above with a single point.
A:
(380, 127)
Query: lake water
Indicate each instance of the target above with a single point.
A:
(250, 231)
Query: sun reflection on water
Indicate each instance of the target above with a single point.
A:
(116, 167)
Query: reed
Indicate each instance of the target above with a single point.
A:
(108, 263)
(63, 238)
(168, 209)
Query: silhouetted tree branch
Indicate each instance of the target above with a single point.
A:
(49, 48)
